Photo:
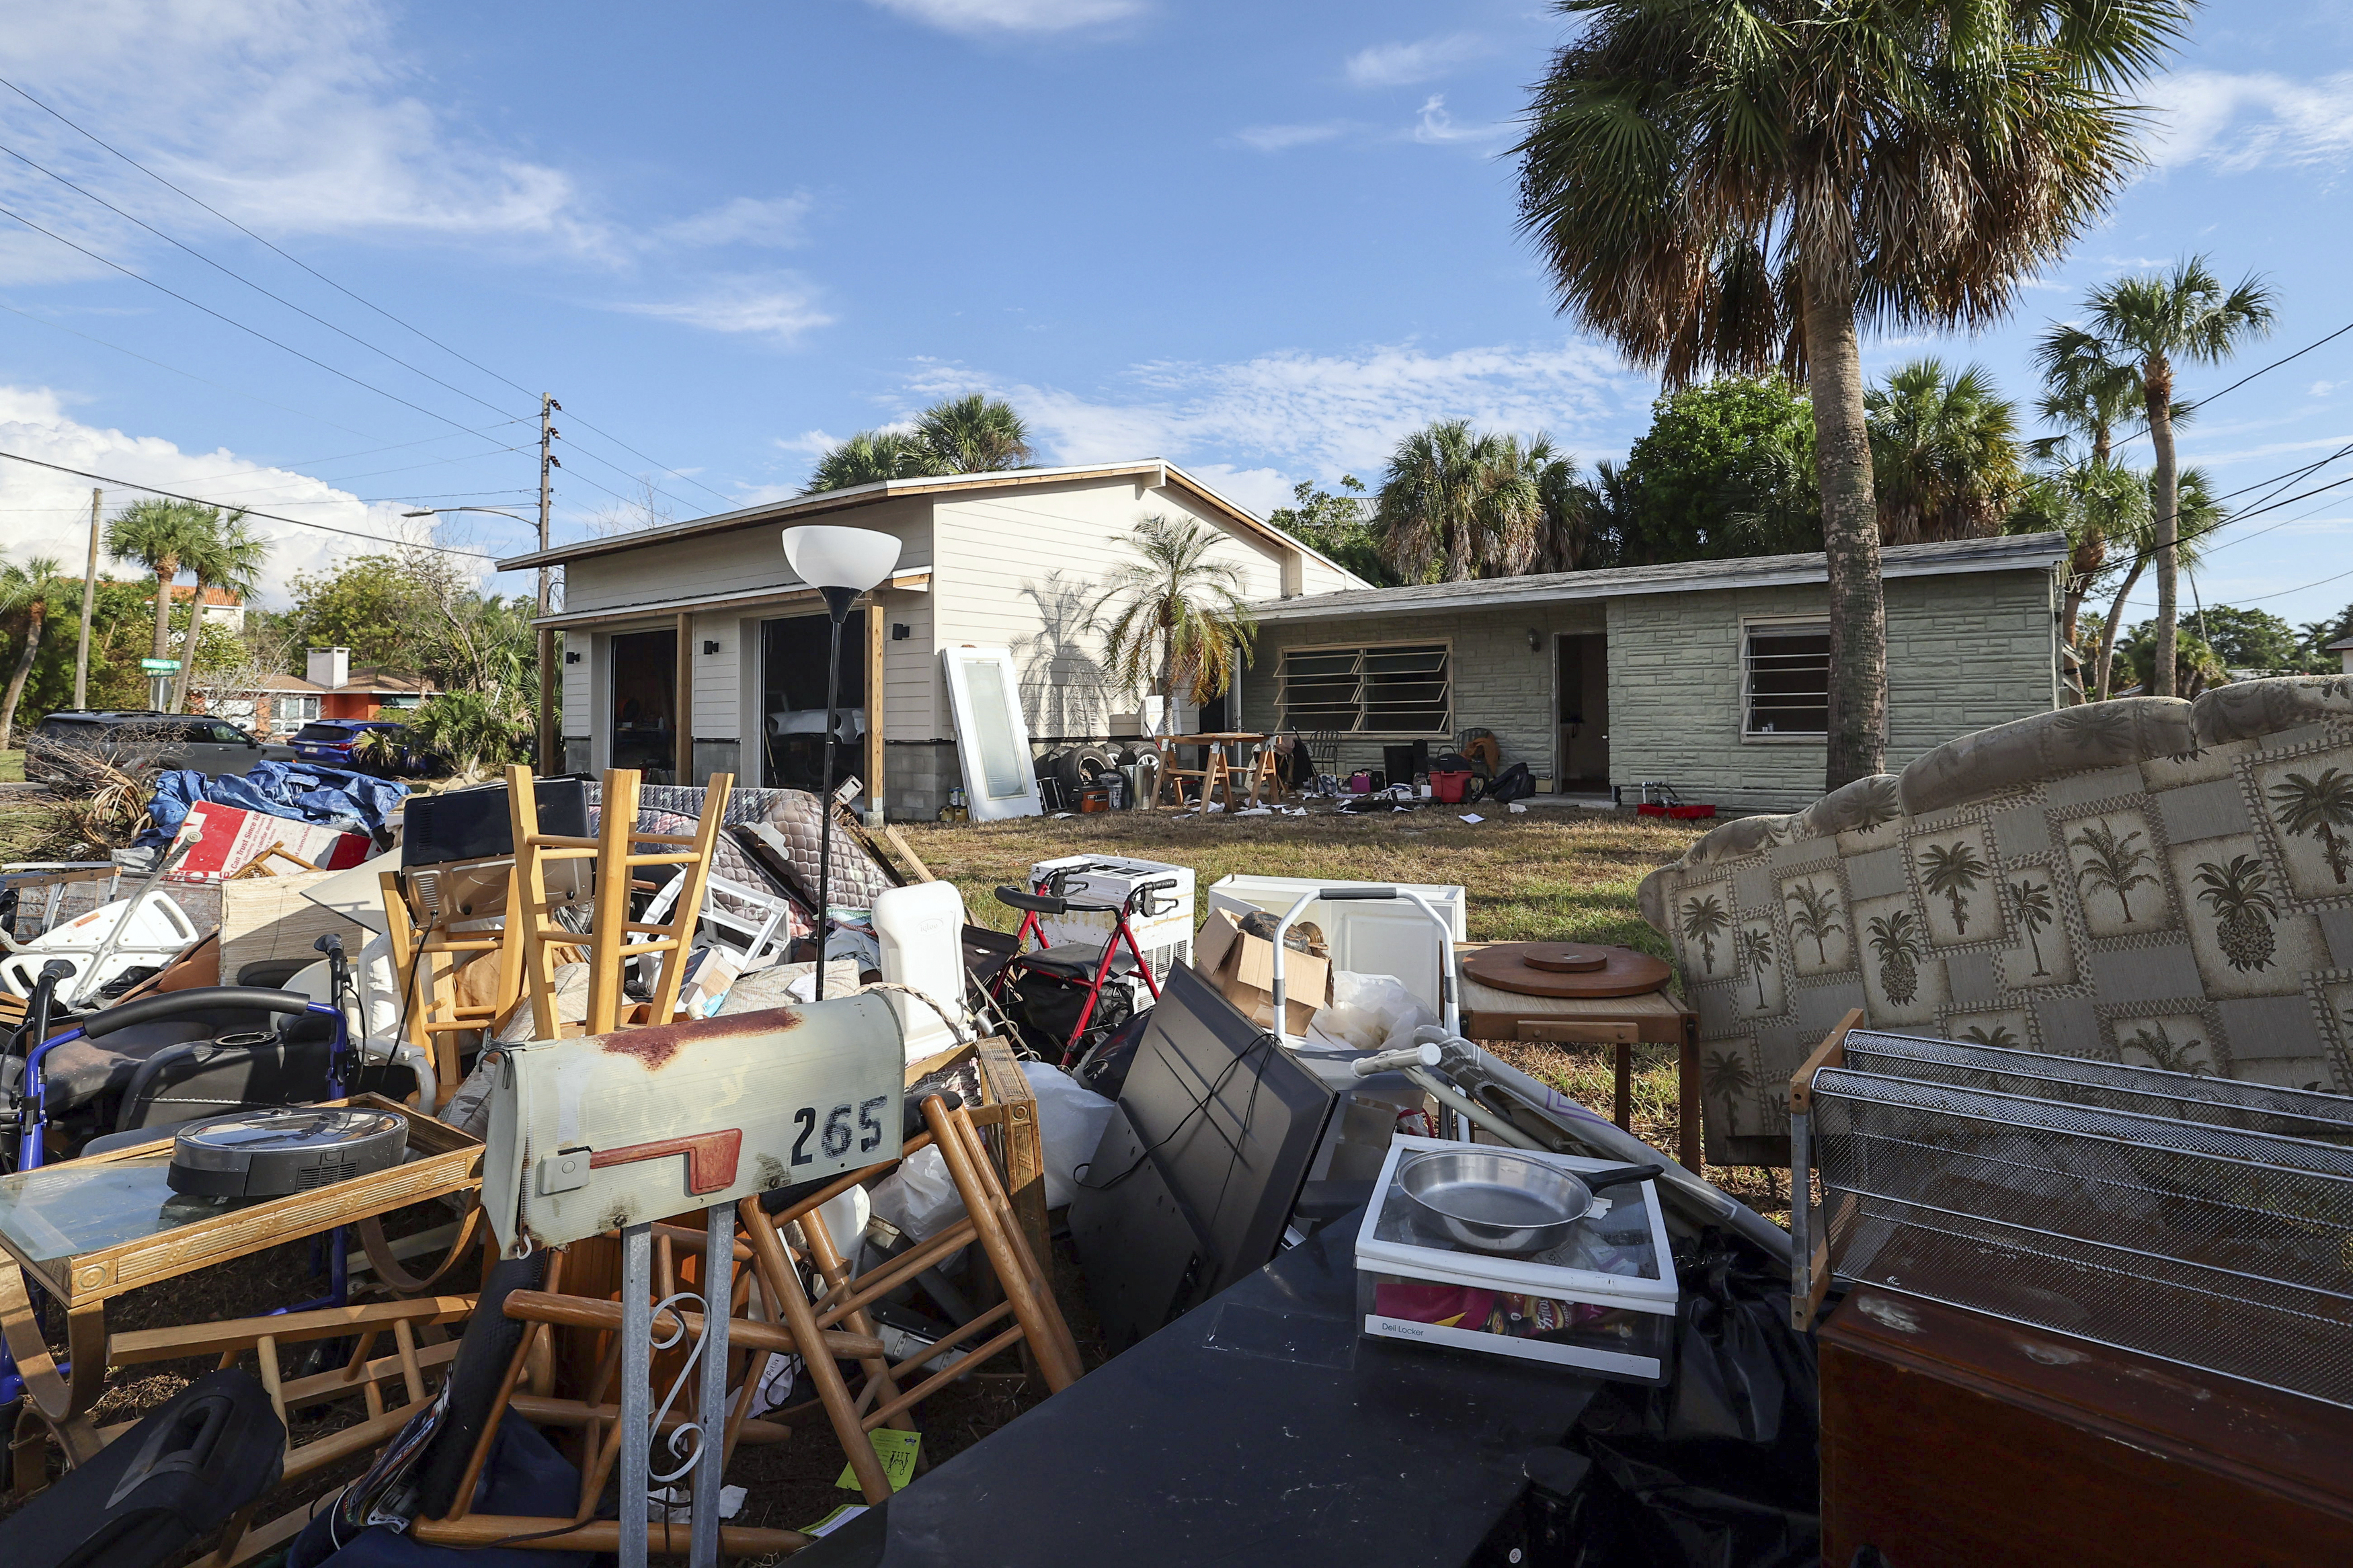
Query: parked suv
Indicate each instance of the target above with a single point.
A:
(330, 740)
(142, 737)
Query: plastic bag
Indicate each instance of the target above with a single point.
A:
(919, 1197)
(1721, 1464)
(1370, 1012)
(1071, 1121)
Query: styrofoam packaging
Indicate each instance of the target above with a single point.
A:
(1167, 938)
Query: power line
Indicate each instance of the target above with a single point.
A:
(2283, 592)
(272, 517)
(339, 288)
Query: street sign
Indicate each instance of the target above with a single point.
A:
(160, 666)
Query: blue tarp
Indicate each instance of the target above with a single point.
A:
(330, 797)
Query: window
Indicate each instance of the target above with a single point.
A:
(303, 708)
(1397, 689)
(1786, 681)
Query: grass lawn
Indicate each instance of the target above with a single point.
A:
(12, 767)
(1546, 874)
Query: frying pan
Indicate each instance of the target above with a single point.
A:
(1502, 1202)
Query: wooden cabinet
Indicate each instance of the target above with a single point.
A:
(1951, 1438)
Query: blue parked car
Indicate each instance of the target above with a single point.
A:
(329, 741)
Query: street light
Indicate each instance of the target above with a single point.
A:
(545, 642)
(840, 564)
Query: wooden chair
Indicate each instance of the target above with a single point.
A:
(427, 950)
(612, 939)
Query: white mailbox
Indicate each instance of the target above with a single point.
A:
(597, 1132)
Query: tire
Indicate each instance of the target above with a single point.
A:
(1077, 767)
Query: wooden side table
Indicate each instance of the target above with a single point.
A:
(1654, 1018)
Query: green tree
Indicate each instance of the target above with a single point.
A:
(2190, 317)
(972, 434)
(2201, 515)
(1456, 503)
(2196, 667)
(2087, 391)
(1338, 526)
(1173, 618)
(1734, 185)
(31, 590)
(368, 603)
(2250, 640)
(870, 458)
(1944, 452)
(470, 729)
(1725, 468)
(231, 556)
(161, 535)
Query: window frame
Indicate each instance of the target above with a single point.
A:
(1750, 626)
(1286, 721)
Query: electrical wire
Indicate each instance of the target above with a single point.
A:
(339, 288)
(272, 517)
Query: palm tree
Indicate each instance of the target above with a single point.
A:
(2304, 803)
(1727, 1077)
(1456, 504)
(1954, 870)
(1815, 915)
(870, 458)
(1757, 953)
(1705, 919)
(161, 535)
(28, 589)
(1178, 617)
(2114, 864)
(1944, 452)
(233, 558)
(1567, 510)
(1737, 184)
(2188, 317)
(2088, 391)
(2136, 523)
(2032, 899)
(972, 434)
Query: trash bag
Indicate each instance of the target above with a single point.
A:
(920, 1197)
(1514, 782)
(1720, 1466)
(1071, 1121)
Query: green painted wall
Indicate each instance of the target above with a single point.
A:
(1965, 651)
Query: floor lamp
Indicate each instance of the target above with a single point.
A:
(840, 564)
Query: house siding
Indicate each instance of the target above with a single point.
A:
(1965, 651)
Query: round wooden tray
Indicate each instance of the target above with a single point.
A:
(1566, 969)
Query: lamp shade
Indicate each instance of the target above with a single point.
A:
(852, 558)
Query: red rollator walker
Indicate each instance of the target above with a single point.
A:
(1041, 988)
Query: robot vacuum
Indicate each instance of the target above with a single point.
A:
(271, 1151)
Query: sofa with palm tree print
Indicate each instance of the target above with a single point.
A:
(2145, 881)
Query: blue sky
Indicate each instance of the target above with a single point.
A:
(1263, 240)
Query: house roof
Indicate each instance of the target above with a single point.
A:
(215, 594)
(2342, 645)
(372, 679)
(2006, 552)
(803, 507)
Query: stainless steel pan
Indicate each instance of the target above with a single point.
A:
(1503, 1202)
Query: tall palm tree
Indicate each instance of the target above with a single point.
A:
(2133, 508)
(2158, 319)
(1567, 510)
(1174, 618)
(868, 458)
(232, 558)
(161, 535)
(1736, 183)
(1944, 452)
(972, 434)
(27, 589)
(1456, 504)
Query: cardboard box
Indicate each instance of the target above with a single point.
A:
(228, 839)
(1243, 968)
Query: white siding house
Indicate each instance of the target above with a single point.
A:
(705, 616)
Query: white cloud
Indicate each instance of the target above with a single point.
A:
(49, 511)
(781, 307)
(1320, 414)
(2322, 388)
(1400, 65)
(779, 221)
(1281, 138)
(2234, 122)
(1436, 127)
(294, 116)
(1014, 16)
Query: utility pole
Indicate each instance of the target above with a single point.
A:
(88, 594)
(551, 758)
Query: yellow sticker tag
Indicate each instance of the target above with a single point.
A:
(897, 1450)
